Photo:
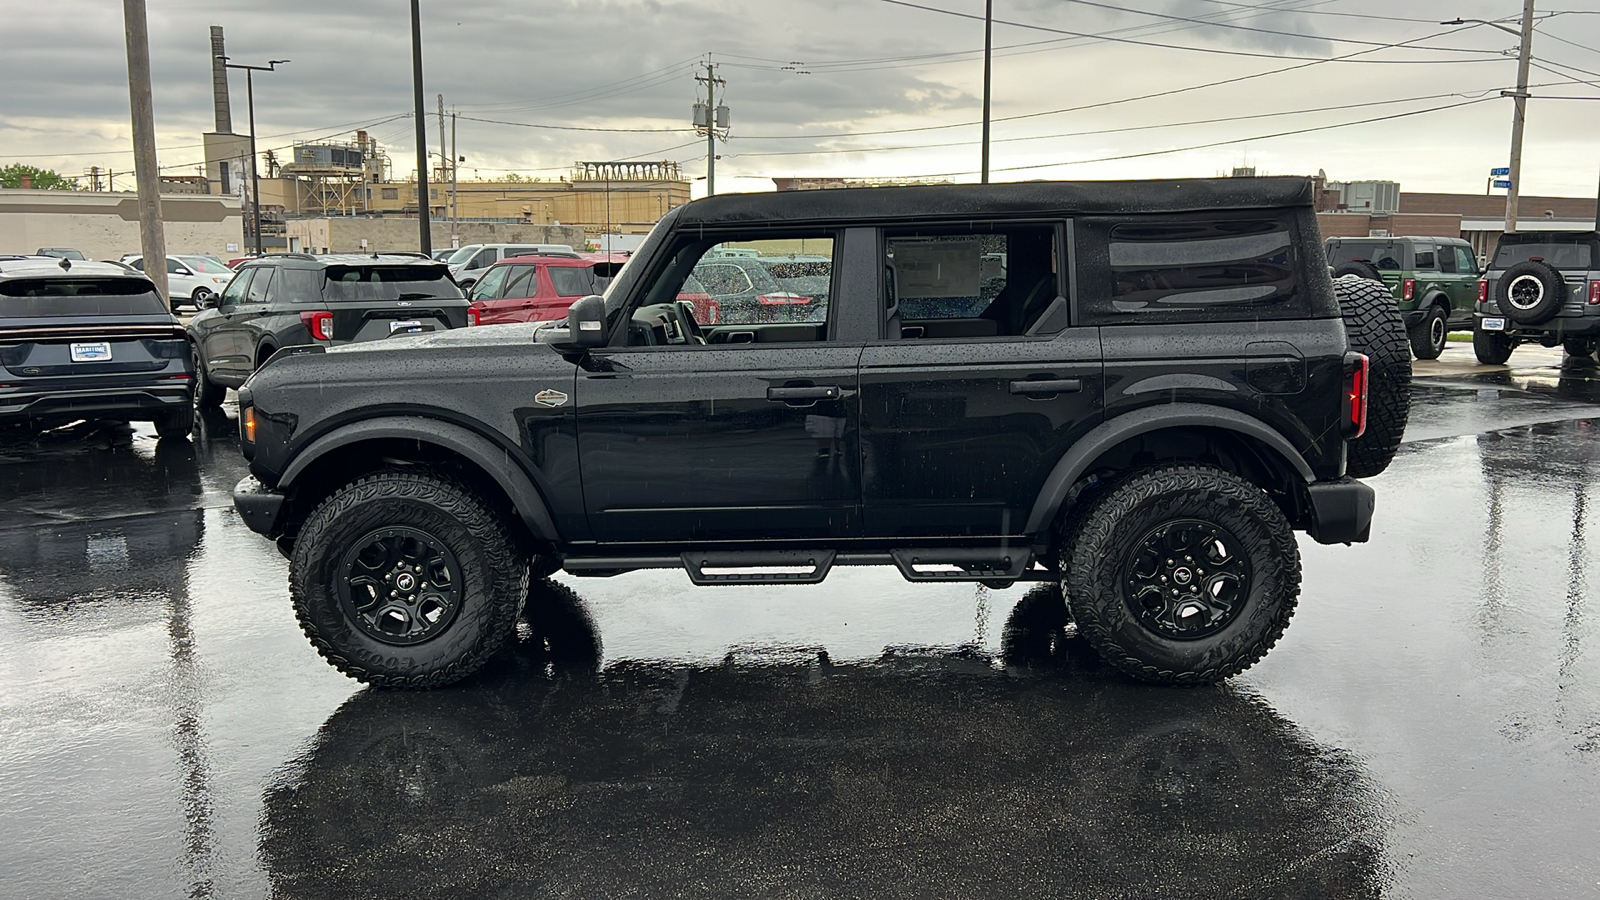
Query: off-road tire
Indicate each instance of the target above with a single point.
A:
(1099, 542)
(1429, 337)
(207, 393)
(175, 423)
(1580, 348)
(1492, 348)
(1537, 288)
(1374, 327)
(1360, 270)
(494, 575)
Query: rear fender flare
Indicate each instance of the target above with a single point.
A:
(493, 460)
(1076, 461)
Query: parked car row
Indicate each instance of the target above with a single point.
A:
(1434, 280)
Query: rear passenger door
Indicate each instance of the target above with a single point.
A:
(979, 382)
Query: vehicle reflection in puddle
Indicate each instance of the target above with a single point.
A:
(927, 772)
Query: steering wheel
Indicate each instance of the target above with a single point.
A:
(687, 324)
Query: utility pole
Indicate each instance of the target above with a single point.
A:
(455, 206)
(424, 238)
(712, 118)
(988, 28)
(152, 239)
(250, 99)
(1520, 98)
(442, 157)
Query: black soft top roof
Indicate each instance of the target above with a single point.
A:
(991, 200)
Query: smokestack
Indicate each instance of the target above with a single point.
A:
(219, 83)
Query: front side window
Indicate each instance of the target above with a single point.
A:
(732, 291)
(484, 260)
(235, 291)
(490, 285)
(521, 281)
(1465, 263)
(1196, 268)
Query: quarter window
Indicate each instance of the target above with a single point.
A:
(572, 281)
(1196, 269)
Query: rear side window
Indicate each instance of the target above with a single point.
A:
(372, 283)
(1193, 268)
(572, 281)
(25, 298)
(1425, 259)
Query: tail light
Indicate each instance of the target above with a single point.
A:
(1483, 291)
(1594, 293)
(1356, 369)
(1408, 289)
(319, 323)
(782, 299)
(473, 316)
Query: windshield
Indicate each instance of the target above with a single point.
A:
(461, 256)
(369, 283)
(49, 298)
(206, 264)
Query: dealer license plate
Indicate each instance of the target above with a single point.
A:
(100, 352)
(1494, 324)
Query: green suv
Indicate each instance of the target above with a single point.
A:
(1433, 279)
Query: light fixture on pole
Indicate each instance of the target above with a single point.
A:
(1519, 98)
(250, 99)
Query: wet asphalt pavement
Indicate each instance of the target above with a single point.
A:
(1428, 727)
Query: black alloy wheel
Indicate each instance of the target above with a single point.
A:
(401, 586)
(1181, 574)
(406, 579)
(1186, 579)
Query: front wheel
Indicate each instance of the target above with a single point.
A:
(201, 297)
(406, 579)
(1492, 348)
(1181, 575)
(1428, 337)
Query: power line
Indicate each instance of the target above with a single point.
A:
(1211, 50)
(1222, 143)
(581, 128)
(347, 127)
(1125, 129)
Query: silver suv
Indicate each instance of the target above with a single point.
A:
(1541, 287)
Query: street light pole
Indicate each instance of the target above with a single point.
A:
(988, 27)
(250, 100)
(425, 238)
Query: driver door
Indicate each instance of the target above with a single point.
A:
(750, 436)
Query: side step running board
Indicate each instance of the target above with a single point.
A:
(758, 566)
(963, 564)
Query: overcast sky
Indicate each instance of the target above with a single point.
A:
(841, 87)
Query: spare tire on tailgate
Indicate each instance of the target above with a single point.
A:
(1373, 325)
(1530, 292)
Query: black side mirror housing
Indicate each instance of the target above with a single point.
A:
(209, 301)
(586, 322)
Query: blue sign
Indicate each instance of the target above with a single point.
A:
(1503, 170)
(1502, 184)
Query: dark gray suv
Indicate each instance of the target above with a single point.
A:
(88, 340)
(1541, 287)
(292, 299)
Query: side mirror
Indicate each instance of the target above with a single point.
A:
(184, 272)
(586, 322)
(209, 301)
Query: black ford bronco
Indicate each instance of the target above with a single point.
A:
(1139, 390)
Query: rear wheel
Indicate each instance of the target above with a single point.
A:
(1492, 348)
(1428, 337)
(405, 579)
(1181, 575)
(175, 423)
(1374, 327)
(1583, 348)
(207, 393)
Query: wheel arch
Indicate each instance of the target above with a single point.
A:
(1268, 456)
(264, 350)
(342, 455)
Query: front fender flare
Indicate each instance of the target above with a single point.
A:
(483, 453)
(1077, 460)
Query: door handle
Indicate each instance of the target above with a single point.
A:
(1050, 386)
(812, 393)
